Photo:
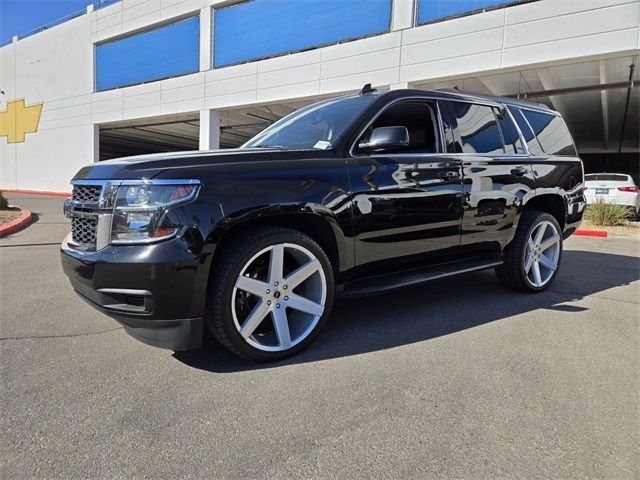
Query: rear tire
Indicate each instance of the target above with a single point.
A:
(532, 259)
(271, 292)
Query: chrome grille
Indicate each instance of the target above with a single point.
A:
(86, 193)
(83, 230)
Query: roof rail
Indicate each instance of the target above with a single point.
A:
(494, 98)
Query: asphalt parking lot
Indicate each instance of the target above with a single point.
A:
(458, 378)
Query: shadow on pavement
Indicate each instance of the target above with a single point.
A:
(435, 309)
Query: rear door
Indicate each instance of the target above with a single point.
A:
(407, 202)
(497, 174)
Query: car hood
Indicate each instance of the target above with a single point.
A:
(179, 163)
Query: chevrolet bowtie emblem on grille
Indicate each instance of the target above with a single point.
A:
(18, 119)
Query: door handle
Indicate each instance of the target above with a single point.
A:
(448, 175)
(519, 171)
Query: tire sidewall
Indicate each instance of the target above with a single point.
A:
(226, 315)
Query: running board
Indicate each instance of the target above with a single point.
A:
(383, 283)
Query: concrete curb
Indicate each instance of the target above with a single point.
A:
(591, 233)
(22, 221)
(38, 192)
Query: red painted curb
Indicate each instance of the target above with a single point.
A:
(37, 192)
(22, 221)
(591, 233)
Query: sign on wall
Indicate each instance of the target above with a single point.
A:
(18, 120)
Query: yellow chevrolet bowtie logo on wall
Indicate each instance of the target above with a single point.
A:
(18, 119)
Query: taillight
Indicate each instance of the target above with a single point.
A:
(633, 189)
(584, 189)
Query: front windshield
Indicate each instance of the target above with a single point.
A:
(314, 126)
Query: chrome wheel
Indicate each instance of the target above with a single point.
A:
(279, 297)
(542, 254)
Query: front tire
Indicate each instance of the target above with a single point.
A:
(532, 259)
(271, 293)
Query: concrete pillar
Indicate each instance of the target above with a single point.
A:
(95, 132)
(403, 15)
(206, 38)
(209, 130)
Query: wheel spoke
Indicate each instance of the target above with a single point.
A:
(537, 278)
(528, 263)
(298, 276)
(276, 263)
(254, 319)
(305, 305)
(281, 325)
(252, 286)
(549, 242)
(540, 235)
(547, 262)
(531, 245)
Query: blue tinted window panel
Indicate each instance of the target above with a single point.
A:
(432, 10)
(163, 52)
(267, 28)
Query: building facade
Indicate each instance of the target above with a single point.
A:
(136, 76)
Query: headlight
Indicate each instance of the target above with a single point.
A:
(139, 211)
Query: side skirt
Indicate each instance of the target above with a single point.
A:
(408, 278)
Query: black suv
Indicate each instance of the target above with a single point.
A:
(353, 195)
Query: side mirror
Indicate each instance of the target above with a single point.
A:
(383, 138)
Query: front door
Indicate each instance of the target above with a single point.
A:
(407, 202)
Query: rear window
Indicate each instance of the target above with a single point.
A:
(552, 133)
(606, 177)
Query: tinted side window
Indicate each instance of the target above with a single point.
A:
(507, 136)
(507, 124)
(529, 137)
(552, 133)
(448, 126)
(478, 128)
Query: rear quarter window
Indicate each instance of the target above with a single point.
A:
(551, 132)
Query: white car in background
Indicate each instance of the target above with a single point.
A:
(615, 188)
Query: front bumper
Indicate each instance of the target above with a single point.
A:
(156, 292)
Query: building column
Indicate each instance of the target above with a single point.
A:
(95, 133)
(206, 38)
(403, 14)
(209, 130)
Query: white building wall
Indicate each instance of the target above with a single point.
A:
(53, 67)
(56, 67)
